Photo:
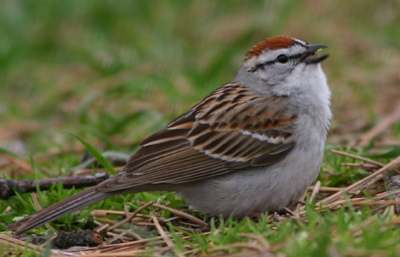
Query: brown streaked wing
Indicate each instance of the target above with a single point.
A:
(258, 129)
(181, 164)
(230, 129)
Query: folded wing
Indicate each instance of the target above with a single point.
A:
(232, 128)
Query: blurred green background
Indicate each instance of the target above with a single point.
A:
(114, 71)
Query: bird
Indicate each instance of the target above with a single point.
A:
(253, 145)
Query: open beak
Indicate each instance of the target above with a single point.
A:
(309, 56)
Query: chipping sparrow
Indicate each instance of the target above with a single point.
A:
(254, 144)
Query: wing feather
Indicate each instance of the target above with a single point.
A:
(232, 128)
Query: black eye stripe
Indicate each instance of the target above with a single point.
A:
(290, 57)
(296, 56)
(262, 65)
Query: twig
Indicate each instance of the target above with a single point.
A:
(12, 243)
(131, 216)
(326, 189)
(362, 165)
(354, 202)
(359, 185)
(101, 228)
(366, 185)
(114, 252)
(358, 157)
(386, 194)
(315, 191)
(301, 203)
(116, 237)
(183, 214)
(7, 187)
(164, 236)
(379, 164)
(125, 249)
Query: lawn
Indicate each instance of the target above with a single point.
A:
(113, 72)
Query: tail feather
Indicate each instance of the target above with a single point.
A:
(64, 207)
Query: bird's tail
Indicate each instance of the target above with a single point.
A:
(64, 207)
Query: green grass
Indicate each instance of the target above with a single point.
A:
(112, 73)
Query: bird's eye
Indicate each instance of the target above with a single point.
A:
(282, 58)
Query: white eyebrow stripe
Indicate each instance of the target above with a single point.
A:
(300, 42)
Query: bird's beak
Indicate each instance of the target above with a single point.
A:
(309, 56)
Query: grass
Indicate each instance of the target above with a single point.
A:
(111, 73)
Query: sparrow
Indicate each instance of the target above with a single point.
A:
(253, 145)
